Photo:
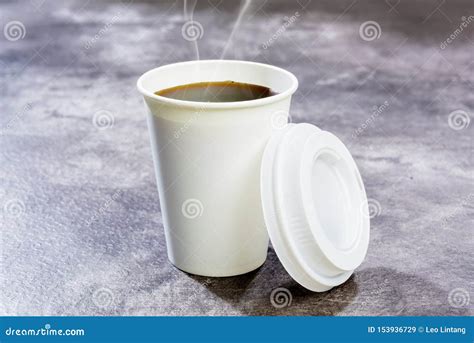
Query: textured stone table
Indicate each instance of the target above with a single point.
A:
(81, 228)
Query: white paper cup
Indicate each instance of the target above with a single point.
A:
(207, 161)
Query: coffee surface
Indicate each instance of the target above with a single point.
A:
(217, 91)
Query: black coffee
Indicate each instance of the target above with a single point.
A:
(218, 91)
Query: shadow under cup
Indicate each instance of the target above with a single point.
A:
(207, 158)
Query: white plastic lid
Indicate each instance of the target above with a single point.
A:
(314, 205)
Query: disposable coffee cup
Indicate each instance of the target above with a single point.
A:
(231, 174)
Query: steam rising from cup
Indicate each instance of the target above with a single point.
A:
(193, 30)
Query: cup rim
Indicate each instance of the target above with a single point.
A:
(219, 105)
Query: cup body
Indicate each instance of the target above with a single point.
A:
(207, 162)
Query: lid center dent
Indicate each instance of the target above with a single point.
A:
(331, 189)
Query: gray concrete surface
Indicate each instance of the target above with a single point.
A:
(81, 229)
